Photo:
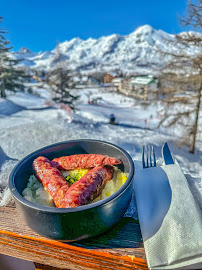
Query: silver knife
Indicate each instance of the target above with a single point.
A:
(167, 155)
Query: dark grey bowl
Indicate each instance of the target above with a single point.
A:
(81, 222)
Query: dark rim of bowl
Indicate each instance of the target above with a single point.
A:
(107, 200)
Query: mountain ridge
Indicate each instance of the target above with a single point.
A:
(132, 53)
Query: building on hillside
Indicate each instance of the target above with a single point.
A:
(142, 87)
(117, 82)
(125, 85)
(109, 77)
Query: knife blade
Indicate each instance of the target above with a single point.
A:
(167, 155)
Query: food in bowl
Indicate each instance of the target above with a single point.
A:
(84, 161)
(74, 180)
(73, 223)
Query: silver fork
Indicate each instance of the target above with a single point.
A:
(148, 157)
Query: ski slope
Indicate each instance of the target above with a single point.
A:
(27, 123)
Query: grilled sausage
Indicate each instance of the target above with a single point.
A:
(84, 161)
(51, 178)
(88, 187)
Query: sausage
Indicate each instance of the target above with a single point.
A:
(84, 161)
(88, 187)
(51, 178)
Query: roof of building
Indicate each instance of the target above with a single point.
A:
(143, 80)
(111, 73)
(94, 80)
(118, 79)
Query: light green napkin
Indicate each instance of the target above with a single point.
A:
(170, 219)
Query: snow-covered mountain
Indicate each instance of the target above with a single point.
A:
(133, 53)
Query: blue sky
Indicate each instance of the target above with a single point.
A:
(40, 24)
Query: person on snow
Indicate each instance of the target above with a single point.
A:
(112, 119)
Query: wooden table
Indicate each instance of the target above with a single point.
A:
(119, 248)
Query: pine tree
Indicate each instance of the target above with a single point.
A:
(184, 75)
(11, 76)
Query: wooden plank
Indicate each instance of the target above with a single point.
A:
(119, 248)
(39, 266)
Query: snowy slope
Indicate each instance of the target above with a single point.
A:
(27, 125)
(136, 52)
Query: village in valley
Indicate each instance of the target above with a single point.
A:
(140, 87)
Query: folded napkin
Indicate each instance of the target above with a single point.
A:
(170, 218)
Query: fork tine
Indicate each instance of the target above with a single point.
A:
(148, 157)
(147, 147)
(154, 158)
(143, 160)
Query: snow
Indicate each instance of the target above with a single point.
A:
(133, 53)
(28, 101)
(26, 124)
(8, 108)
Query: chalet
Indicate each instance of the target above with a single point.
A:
(109, 77)
(143, 87)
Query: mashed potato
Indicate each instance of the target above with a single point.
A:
(35, 192)
(119, 178)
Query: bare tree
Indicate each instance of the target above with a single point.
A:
(60, 81)
(183, 75)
